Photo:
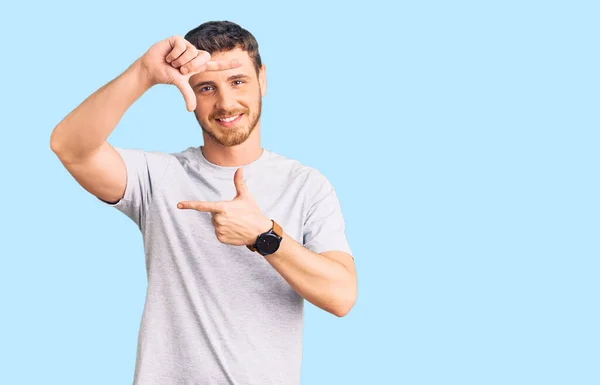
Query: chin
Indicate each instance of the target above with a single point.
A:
(227, 137)
(231, 142)
(232, 138)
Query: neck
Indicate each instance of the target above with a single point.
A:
(235, 156)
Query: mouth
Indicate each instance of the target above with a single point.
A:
(229, 120)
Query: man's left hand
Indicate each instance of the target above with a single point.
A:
(237, 222)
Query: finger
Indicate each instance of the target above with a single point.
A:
(209, 207)
(222, 65)
(190, 53)
(188, 94)
(178, 47)
(196, 64)
(240, 185)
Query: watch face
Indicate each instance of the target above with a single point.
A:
(267, 244)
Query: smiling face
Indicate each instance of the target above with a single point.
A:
(229, 102)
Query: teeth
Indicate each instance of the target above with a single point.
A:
(230, 119)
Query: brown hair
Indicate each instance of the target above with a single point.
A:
(220, 36)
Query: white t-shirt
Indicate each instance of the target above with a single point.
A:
(217, 313)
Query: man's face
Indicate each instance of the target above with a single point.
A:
(229, 102)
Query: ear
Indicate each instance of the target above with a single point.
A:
(262, 79)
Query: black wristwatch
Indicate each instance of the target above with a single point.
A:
(269, 241)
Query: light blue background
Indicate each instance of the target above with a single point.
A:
(461, 137)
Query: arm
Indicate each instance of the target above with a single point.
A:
(86, 128)
(327, 280)
(79, 140)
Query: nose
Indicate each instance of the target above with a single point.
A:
(225, 99)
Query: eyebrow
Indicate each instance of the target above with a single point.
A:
(229, 79)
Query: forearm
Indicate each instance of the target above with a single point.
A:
(89, 125)
(323, 282)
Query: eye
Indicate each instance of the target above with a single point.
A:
(238, 82)
(206, 89)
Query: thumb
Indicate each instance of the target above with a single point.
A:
(240, 185)
(187, 92)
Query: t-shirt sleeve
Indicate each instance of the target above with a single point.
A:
(145, 171)
(324, 227)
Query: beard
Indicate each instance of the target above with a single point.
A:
(232, 136)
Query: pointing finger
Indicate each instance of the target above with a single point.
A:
(209, 207)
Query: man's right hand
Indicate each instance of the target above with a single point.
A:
(174, 61)
(79, 140)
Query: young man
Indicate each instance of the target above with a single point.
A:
(235, 236)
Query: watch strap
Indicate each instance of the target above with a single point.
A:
(277, 229)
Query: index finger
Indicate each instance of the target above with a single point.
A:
(221, 65)
(209, 207)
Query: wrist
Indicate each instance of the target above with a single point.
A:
(144, 78)
(264, 225)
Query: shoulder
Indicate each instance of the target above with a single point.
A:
(143, 160)
(186, 156)
(314, 181)
(180, 159)
(159, 163)
(296, 168)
